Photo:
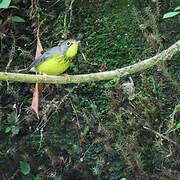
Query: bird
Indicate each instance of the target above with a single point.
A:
(57, 59)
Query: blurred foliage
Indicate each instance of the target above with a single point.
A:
(94, 130)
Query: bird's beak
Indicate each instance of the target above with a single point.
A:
(77, 42)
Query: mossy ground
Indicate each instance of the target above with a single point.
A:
(94, 131)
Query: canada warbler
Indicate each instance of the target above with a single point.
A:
(57, 59)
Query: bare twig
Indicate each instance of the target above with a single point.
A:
(161, 135)
(12, 52)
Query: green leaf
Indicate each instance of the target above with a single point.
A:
(25, 167)
(14, 116)
(170, 14)
(5, 3)
(1, 21)
(178, 126)
(38, 15)
(15, 130)
(17, 19)
(10, 120)
(177, 8)
(7, 129)
(86, 130)
(14, 7)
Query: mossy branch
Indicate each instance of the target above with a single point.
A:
(140, 66)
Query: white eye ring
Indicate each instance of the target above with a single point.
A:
(68, 43)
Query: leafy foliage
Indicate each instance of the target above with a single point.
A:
(172, 14)
(25, 167)
(17, 19)
(92, 131)
(5, 3)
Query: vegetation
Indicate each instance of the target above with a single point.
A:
(124, 128)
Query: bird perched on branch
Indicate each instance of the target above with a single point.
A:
(57, 59)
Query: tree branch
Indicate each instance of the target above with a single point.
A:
(140, 66)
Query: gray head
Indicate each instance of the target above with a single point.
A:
(69, 48)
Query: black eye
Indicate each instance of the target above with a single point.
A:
(68, 43)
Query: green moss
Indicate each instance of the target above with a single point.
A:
(93, 131)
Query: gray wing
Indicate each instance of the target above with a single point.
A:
(43, 57)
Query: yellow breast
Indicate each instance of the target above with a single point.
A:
(54, 65)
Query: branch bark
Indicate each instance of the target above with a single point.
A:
(140, 66)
